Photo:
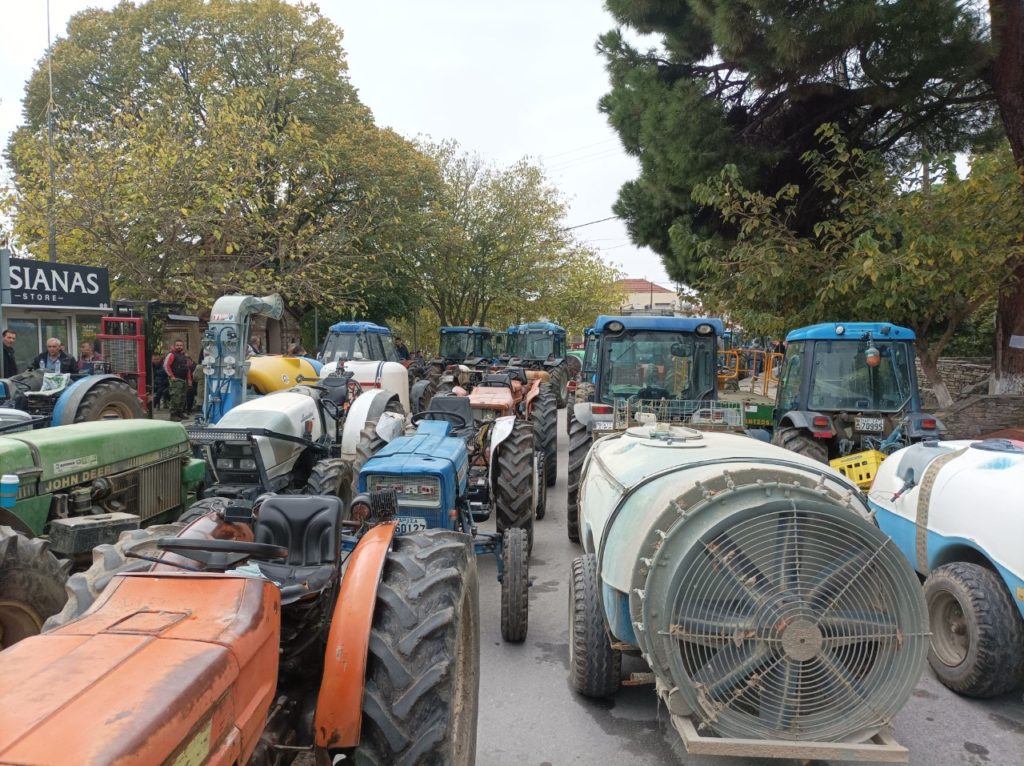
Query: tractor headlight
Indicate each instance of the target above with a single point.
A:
(418, 491)
(225, 463)
(247, 464)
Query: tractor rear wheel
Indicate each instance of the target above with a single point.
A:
(570, 412)
(31, 585)
(515, 586)
(333, 476)
(421, 393)
(799, 441)
(83, 588)
(545, 420)
(977, 644)
(579, 446)
(423, 670)
(370, 443)
(558, 383)
(595, 669)
(513, 481)
(109, 400)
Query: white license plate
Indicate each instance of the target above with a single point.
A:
(603, 425)
(410, 524)
(868, 424)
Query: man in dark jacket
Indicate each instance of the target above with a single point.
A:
(8, 364)
(55, 360)
(179, 377)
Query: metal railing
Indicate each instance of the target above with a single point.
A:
(704, 415)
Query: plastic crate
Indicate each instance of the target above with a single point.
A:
(859, 467)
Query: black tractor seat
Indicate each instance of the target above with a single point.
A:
(309, 526)
(336, 388)
(457, 405)
(496, 380)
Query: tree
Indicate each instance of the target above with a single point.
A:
(211, 147)
(497, 248)
(926, 258)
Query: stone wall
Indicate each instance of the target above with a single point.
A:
(961, 375)
(978, 415)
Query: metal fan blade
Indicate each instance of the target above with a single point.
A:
(787, 561)
(849, 626)
(780, 694)
(713, 624)
(834, 578)
(729, 558)
(732, 667)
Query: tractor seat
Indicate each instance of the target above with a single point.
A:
(457, 405)
(309, 526)
(518, 373)
(336, 388)
(497, 380)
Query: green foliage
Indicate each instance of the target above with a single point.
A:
(747, 82)
(214, 147)
(927, 258)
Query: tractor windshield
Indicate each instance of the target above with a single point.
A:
(537, 345)
(459, 346)
(842, 380)
(656, 365)
(344, 346)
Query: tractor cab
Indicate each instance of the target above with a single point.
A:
(847, 387)
(537, 344)
(351, 341)
(470, 346)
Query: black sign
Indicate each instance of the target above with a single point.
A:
(26, 282)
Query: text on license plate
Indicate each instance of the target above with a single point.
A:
(868, 424)
(410, 524)
(603, 425)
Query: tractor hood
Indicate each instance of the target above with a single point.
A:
(161, 662)
(421, 455)
(491, 398)
(69, 455)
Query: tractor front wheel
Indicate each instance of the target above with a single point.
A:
(545, 420)
(333, 476)
(513, 481)
(423, 670)
(31, 585)
(579, 446)
(515, 586)
(799, 441)
(109, 400)
(595, 668)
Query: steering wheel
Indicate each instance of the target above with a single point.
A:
(454, 418)
(190, 546)
(651, 392)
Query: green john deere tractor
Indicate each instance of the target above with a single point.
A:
(79, 486)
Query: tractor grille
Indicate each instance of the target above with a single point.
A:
(121, 355)
(147, 491)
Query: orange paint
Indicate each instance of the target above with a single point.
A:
(339, 706)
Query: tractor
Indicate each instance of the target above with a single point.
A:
(428, 480)
(581, 386)
(465, 353)
(850, 387)
(80, 486)
(541, 346)
(263, 632)
(646, 369)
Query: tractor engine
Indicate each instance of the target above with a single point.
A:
(753, 583)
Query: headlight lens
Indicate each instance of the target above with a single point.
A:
(419, 491)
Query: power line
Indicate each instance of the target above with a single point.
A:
(589, 223)
(578, 149)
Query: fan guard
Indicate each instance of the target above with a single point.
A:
(794, 620)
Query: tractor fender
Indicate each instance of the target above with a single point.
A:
(803, 419)
(915, 431)
(67, 405)
(499, 432)
(367, 406)
(340, 702)
(581, 412)
(416, 394)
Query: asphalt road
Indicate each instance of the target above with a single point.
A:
(530, 717)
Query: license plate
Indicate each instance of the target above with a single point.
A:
(410, 524)
(603, 425)
(869, 424)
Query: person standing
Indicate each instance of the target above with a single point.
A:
(402, 349)
(179, 379)
(87, 360)
(54, 359)
(8, 364)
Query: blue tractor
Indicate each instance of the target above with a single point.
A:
(846, 387)
(541, 346)
(426, 481)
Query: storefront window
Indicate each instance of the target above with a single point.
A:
(26, 344)
(56, 328)
(87, 327)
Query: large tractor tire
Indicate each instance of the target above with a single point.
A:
(370, 443)
(31, 585)
(558, 383)
(573, 365)
(570, 411)
(333, 476)
(799, 441)
(595, 668)
(423, 670)
(109, 400)
(513, 481)
(579, 446)
(83, 588)
(545, 429)
(200, 508)
(977, 644)
(421, 393)
(515, 586)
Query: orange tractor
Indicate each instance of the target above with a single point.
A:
(263, 632)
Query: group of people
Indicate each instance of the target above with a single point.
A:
(53, 359)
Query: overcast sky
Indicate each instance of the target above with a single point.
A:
(505, 80)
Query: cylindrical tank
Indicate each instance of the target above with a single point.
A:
(390, 376)
(753, 582)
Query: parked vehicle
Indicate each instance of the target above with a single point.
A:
(541, 346)
(952, 508)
